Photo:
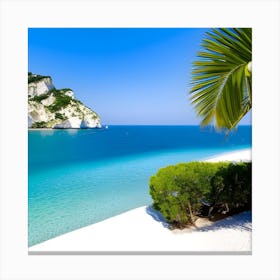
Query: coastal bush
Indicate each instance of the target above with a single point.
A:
(34, 78)
(60, 116)
(231, 187)
(57, 92)
(40, 97)
(63, 90)
(39, 125)
(61, 100)
(178, 190)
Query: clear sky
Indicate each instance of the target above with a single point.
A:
(126, 75)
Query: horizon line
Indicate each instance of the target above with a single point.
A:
(172, 125)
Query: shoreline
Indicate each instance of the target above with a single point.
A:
(143, 230)
(235, 156)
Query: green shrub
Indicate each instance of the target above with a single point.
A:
(39, 98)
(177, 190)
(34, 78)
(232, 187)
(39, 125)
(58, 92)
(60, 116)
(61, 101)
(63, 90)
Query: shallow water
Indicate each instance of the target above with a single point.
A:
(80, 177)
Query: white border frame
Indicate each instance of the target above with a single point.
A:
(17, 16)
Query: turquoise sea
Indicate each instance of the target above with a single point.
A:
(80, 177)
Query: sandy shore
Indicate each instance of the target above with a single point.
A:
(240, 155)
(143, 230)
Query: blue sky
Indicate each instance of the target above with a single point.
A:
(126, 75)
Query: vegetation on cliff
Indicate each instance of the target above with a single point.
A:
(49, 107)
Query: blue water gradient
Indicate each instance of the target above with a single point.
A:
(80, 177)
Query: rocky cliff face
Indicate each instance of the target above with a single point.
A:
(39, 86)
(49, 107)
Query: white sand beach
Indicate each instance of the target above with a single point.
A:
(143, 230)
(240, 155)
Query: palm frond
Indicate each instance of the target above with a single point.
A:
(221, 89)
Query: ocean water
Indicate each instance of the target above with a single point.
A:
(80, 177)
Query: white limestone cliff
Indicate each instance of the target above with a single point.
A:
(73, 122)
(48, 101)
(40, 87)
(38, 113)
(52, 108)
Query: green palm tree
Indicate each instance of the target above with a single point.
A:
(222, 77)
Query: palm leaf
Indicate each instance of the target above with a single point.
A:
(221, 86)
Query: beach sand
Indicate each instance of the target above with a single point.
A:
(143, 230)
(240, 155)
